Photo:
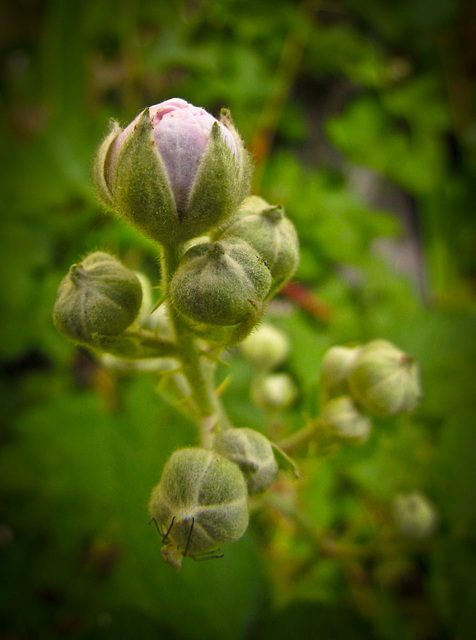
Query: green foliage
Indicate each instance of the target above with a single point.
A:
(364, 108)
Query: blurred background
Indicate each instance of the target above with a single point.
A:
(360, 117)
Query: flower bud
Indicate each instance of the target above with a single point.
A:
(175, 172)
(275, 392)
(414, 514)
(266, 347)
(219, 284)
(384, 380)
(343, 419)
(252, 452)
(201, 502)
(98, 297)
(271, 234)
(335, 370)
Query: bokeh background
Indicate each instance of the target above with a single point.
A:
(360, 117)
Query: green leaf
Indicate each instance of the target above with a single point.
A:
(285, 463)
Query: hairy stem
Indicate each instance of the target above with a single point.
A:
(199, 371)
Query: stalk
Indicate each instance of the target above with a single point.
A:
(199, 371)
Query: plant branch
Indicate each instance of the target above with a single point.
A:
(199, 371)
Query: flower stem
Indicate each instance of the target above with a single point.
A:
(199, 371)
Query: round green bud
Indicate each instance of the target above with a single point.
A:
(252, 452)
(343, 419)
(266, 347)
(384, 380)
(98, 297)
(271, 234)
(220, 283)
(414, 514)
(276, 391)
(201, 502)
(335, 369)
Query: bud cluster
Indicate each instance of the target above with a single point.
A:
(182, 178)
(376, 379)
(226, 282)
(201, 501)
(265, 349)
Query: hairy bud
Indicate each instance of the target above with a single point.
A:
(199, 504)
(252, 452)
(335, 370)
(271, 234)
(266, 347)
(175, 172)
(343, 419)
(275, 391)
(98, 297)
(414, 514)
(384, 380)
(219, 284)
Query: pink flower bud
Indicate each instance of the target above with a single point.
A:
(181, 132)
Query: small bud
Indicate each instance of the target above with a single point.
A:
(266, 347)
(343, 419)
(275, 392)
(219, 284)
(175, 172)
(384, 380)
(252, 452)
(414, 514)
(98, 297)
(335, 370)
(271, 234)
(201, 501)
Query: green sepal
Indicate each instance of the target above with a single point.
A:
(285, 463)
(101, 186)
(216, 191)
(229, 336)
(245, 168)
(141, 188)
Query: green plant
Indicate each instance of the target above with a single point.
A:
(181, 177)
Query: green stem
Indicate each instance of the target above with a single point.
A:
(135, 345)
(199, 371)
(302, 437)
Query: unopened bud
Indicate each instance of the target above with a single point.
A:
(201, 501)
(343, 419)
(273, 236)
(414, 514)
(98, 297)
(219, 284)
(252, 452)
(384, 380)
(175, 172)
(335, 369)
(266, 347)
(276, 391)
